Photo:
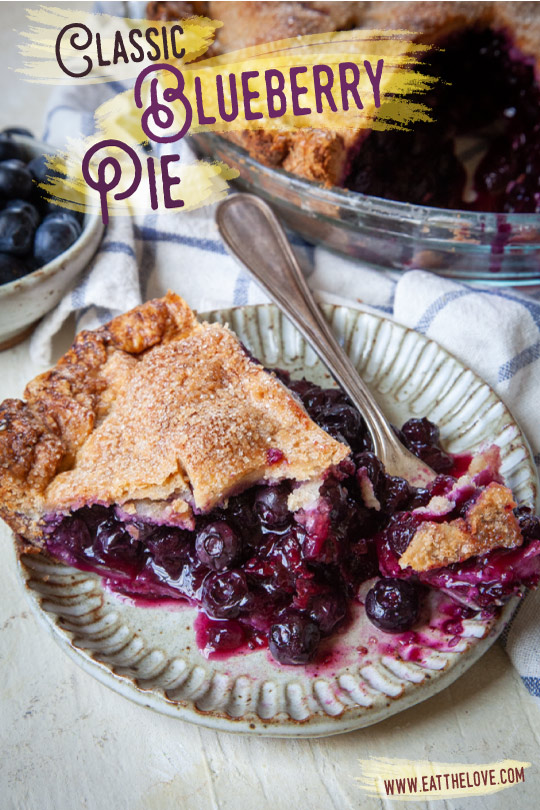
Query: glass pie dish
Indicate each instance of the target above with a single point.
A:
(492, 248)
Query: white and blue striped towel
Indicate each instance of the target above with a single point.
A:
(494, 331)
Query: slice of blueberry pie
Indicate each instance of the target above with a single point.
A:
(159, 454)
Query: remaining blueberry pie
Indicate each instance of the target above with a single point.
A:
(161, 455)
(487, 57)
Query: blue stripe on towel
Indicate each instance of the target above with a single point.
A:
(437, 306)
(77, 294)
(153, 235)
(533, 685)
(240, 293)
(532, 307)
(117, 247)
(516, 363)
(519, 361)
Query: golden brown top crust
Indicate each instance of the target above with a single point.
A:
(154, 410)
(489, 524)
(322, 156)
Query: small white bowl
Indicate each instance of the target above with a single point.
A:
(24, 301)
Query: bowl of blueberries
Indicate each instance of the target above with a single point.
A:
(43, 246)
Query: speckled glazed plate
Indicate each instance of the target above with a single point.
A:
(150, 655)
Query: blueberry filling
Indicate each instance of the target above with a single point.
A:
(263, 576)
(486, 90)
(294, 639)
(393, 605)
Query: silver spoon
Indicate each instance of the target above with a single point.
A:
(254, 235)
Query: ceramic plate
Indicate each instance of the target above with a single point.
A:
(150, 655)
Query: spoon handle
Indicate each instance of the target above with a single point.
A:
(252, 232)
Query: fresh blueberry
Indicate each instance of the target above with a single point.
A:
(63, 215)
(293, 639)
(9, 149)
(217, 545)
(224, 594)
(17, 131)
(39, 170)
(50, 207)
(11, 268)
(27, 207)
(393, 605)
(15, 180)
(16, 232)
(53, 238)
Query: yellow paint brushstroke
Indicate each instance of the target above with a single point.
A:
(202, 182)
(39, 42)
(397, 110)
(427, 780)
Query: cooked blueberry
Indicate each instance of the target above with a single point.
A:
(419, 497)
(332, 410)
(16, 232)
(70, 540)
(271, 505)
(293, 639)
(240, 510)
(224, 594)
(29, 209)
(327, 610)
(15, 179)
(342, 420)
(217, 545)
(529, 523)
(171, 549)
(223, 635)
(401, 531)
(53, 238)
(432, 455)
(113, 542)
(373, 465)
(393, 605)
(11, 268)
(397, 493)
(94, 515)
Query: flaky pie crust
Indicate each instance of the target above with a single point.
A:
(157, 413)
